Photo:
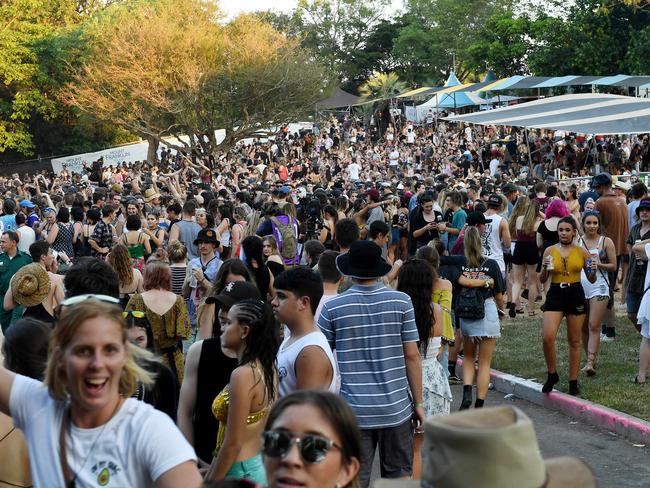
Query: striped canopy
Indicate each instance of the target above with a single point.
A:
(590, 113)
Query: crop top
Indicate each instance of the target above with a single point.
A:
(220, 411)
(567, 270)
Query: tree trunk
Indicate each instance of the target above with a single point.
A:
(152, 150)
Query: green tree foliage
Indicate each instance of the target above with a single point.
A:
(381, 87)
(36, 46)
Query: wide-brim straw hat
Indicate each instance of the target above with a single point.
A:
(150, 194)
(30, 285)
(490, 448)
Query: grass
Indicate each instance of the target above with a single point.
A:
(519, 352)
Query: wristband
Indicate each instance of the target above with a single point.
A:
(418, 404)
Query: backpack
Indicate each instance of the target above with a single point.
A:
(287, 243)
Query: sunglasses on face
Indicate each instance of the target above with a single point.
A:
(313, 448)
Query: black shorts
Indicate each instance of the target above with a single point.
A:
(569, 300)
(525, 253)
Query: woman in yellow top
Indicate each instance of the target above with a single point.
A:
(563, 262)
(241, 407)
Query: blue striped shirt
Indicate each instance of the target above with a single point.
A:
(368, 326)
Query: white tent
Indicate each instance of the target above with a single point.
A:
(590, 113)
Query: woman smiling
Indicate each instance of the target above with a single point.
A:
(84, 413)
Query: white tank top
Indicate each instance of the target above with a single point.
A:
(492, 247)
(287, 356)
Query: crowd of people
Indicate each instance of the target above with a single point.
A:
(192, 319)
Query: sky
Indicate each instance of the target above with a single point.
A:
(233, 7)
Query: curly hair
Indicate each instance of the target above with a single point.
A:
(416, 280)
(262, 343)
(120, 260)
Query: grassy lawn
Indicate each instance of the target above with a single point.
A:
(519, 352)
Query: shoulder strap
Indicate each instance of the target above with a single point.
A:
(63, 455)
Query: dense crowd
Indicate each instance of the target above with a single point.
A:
(195, 318)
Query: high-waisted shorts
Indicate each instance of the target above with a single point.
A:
(250, 469)
(568, 299)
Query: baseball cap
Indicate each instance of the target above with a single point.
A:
(477, 218)
(373, 192)
(601, 179)
(285, 190)
(494, 200)
(234, 292)
(508, 188)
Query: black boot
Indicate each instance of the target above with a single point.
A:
(467, 397)
(551, 380)
(479, 403)
(573, 388)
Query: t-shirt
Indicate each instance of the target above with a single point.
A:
(353, 171)
(8, 223)
(613, 215)
(137, 446)
(457, 222)
(489, 269)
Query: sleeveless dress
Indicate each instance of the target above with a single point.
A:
(436, 394)
(63, 241)
(136, 251)
(601, 287)
(251, 468)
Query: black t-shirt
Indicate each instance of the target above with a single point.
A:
(636, 274)
(417, 221)
(489, 269)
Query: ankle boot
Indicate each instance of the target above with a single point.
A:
(467, 397)
(551, 380)
(573, 388)
(479, 403)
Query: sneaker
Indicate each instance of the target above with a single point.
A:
(524, 294)
(454, 380)
(622, 307)
(606, 338)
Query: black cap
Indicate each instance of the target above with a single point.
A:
(477, 218)
(508, 188)
(601, 179)
(234, 292)
(206, 235)
(494, 200)
(644, 203)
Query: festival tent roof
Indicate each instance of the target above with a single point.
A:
(338, 98)
(451, 95)
(589, 113)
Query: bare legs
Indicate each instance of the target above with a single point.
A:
(485, 351)
(644, 360)
(591, 332)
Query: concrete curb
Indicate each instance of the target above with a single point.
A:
(627, 426)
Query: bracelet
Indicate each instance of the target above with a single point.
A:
(418, 404)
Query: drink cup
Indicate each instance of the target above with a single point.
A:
(549, 263)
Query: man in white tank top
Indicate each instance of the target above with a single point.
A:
(305, 359)
(497, 234)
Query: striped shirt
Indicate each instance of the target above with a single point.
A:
(368, 326)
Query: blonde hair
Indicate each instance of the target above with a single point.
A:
(68, 324)
(473, 247)
(521, 205)
(530, 218)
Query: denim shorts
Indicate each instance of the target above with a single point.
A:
(487, 327)
(250, 469)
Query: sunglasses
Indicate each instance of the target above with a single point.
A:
(72, 301)
(313, 448)
(133, 313)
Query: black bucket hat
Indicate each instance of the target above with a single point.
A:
(363, 261)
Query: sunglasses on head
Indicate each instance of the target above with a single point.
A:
(313, 448)
(133, 313)
(75, 300)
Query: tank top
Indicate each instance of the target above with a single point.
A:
(567, 270)
(136, 251)
(492, 242)
(225, 236)
(63, 241)
(432, 349)
(287, 356)
(212, 376)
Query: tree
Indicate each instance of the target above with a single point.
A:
(382, 87)
(169, 69)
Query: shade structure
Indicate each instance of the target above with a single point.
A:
(453, 96)
(589, 113)
(338, 98)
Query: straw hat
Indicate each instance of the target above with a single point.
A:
(490, 448)
(150, 194)
(30, 285)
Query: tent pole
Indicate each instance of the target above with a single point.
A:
(530, 157)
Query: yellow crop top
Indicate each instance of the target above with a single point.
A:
(567, 270)
(443, 298)
(220, 411)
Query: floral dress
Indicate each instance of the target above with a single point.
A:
(169, 330)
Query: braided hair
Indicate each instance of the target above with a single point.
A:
(262, 342)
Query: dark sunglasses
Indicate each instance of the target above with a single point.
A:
(313, 448)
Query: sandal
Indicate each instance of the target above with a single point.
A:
(532, 313)
(637, 382)
(520, 311)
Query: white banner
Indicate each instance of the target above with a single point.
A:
(112, 157)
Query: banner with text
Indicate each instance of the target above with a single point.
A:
(112, 157)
